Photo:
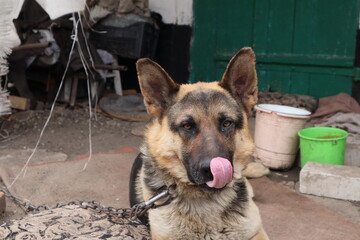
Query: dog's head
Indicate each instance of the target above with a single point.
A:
(200, 134)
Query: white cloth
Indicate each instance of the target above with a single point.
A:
(350, 122)
(8, 36)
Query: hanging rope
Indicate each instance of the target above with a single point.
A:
(75, 43)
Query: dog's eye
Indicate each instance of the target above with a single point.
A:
(187, 126)
(227, 123)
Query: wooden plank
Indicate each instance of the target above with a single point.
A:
(274, 26)
(297, 59)
(314, 81)
(203, 46)
(326, 27)
(263, 84)
(302, 46)
(234, 26)
(279, 81)
(299, 82)
(320, 84)
(324, 85)
(293, 59)
(261, 29)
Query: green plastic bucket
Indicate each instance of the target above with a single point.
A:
(322, 145)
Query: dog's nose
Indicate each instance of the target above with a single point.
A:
(205, 171)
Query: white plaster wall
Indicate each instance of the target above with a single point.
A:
(16, 7)
(55, 8)
(173, 11)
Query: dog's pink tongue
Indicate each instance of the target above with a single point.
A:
(222, 171)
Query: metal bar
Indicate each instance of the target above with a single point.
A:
(31, 46)
(110, 67)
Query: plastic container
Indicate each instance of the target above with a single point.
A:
(276, 139)
(322, 145)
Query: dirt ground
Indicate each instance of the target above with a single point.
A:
(68, 133)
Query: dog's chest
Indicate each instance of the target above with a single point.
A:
(199, 222)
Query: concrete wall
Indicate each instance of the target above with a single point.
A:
(57, 8)
(177, 12)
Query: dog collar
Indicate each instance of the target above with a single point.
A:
(140, 209)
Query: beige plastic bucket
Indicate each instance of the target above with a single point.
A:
(276, 138)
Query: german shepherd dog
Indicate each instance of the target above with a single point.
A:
(199, 142)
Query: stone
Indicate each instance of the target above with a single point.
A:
(352, 154)
(334, 181)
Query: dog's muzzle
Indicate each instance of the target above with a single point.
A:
(214, 173)
(222, 172)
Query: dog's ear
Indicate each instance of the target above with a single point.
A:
(240, 78)
(156, 86)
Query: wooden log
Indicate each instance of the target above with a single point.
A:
(31, 46)
(110, 67)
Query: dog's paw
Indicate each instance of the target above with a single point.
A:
(255, 170)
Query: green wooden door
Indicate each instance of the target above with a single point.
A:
(302, 46)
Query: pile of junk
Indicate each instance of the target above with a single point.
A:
(80, 54)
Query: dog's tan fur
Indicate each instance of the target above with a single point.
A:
(193, 212)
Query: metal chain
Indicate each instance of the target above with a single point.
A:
(25, 204)
(132, 213)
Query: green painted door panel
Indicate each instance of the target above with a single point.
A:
(314, 81)
(273, 28)
(203, 45)
(302, 46)
(326, 28)
(232, 25)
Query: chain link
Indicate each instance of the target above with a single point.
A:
(24, 203)
(132, 213)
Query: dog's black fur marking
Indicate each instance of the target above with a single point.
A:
(239, 203)
(150, 175)
(135, 170)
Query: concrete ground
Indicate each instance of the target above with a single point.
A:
(68, 133)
